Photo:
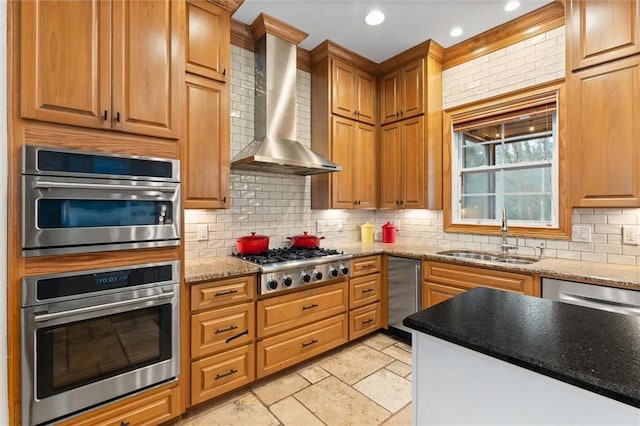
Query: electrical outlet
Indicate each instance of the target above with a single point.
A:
(340, 225)
(203, 232)
(630, 235)
(319, 227)
(581, 233)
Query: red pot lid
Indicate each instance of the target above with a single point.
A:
(253, 237)
(306, 236)
(388, 225)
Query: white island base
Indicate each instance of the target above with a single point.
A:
(456, 385)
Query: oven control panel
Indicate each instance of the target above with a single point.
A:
(286, 279)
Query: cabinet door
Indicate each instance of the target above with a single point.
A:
(65, 70)
(343, 99)
(412, 164)
(146, 67)
(206, 144)
(390, 141)
(390, 98)
(433, 293)
(366, 97)
(343, 135)
(208, 40)
(412, 91)
(602, 31)
(364, 167)
(604, 130)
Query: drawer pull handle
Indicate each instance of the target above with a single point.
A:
(236, 336)
(313, 305)
(228, 373)
(224, 330)
(225, 293)
(368, 266)
(368, 290)
(304, 345)
(367, 321)
(124, 423)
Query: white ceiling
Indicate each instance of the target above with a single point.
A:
(407, 23)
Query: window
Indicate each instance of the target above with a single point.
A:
(506, 156)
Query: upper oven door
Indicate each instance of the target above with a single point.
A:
(70, 215)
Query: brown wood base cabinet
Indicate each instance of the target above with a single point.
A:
(296, 326)
(442, 281)
(365, 294)
(222, 336)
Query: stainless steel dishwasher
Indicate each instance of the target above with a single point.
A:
(610, 299)
(404, 293)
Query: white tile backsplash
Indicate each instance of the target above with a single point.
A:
(280, 205)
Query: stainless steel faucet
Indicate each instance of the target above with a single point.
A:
(504, 246)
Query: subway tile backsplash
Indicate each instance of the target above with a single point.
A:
(279, 205)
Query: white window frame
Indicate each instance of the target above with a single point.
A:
(456, 184)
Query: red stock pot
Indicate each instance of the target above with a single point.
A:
(252, 244)
(305, 241)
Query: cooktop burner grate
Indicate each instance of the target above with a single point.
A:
(280, 255)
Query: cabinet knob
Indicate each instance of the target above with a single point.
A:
(118, 117)
(104, 115)
(224, 72)
(224, 200)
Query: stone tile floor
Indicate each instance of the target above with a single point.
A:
(367, 382)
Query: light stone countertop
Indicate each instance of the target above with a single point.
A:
(624, 276)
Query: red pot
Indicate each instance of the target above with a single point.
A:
(305, 241)
(252, 244)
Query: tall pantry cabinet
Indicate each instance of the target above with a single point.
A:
(410, 165)
(603, 71)
(343, 89)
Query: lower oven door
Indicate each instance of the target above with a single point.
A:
(71, 215)
(79, 354)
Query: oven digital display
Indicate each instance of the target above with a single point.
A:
(111, 279)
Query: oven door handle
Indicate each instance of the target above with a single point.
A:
(74, 185)
(55, 315)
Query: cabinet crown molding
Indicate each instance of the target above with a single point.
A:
(330, 48)
(230, 5)
(424, 49)
(265, 24)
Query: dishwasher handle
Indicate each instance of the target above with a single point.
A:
(607, 305)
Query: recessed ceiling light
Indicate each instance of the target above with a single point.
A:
(375, 17)
(456, 32)
(512, 5)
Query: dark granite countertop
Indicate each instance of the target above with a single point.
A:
(596, 350)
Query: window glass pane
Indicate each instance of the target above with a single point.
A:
(539, 149)
(534, 180)
(478, 183)
(474, 154)
(528, 207)
(478, 207)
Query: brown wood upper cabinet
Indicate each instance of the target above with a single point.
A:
(401, 95)
(603, 44)
(354, 92)
(208, 40)
(402, 148)
(601, 31)
(102, 64)
(206, 144)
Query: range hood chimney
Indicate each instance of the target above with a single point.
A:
(275, 148)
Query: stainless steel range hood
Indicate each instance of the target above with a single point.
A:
(275, 148)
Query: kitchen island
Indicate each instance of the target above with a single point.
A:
(494, 357)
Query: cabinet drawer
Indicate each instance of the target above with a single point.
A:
(223, 292)
(364, 320)
(364, 290)
(285, 312)
(433, 294)
(467, 277)
(218, 374)
(286, 349)
(156, 408)
(365, 265)
(221, 329)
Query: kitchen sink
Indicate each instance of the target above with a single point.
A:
(491, 257)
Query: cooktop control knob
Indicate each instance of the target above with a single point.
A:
(333, 272)
(287, 281)
(272, 284)
(344, 270)
(317, 275)
(305, 277)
